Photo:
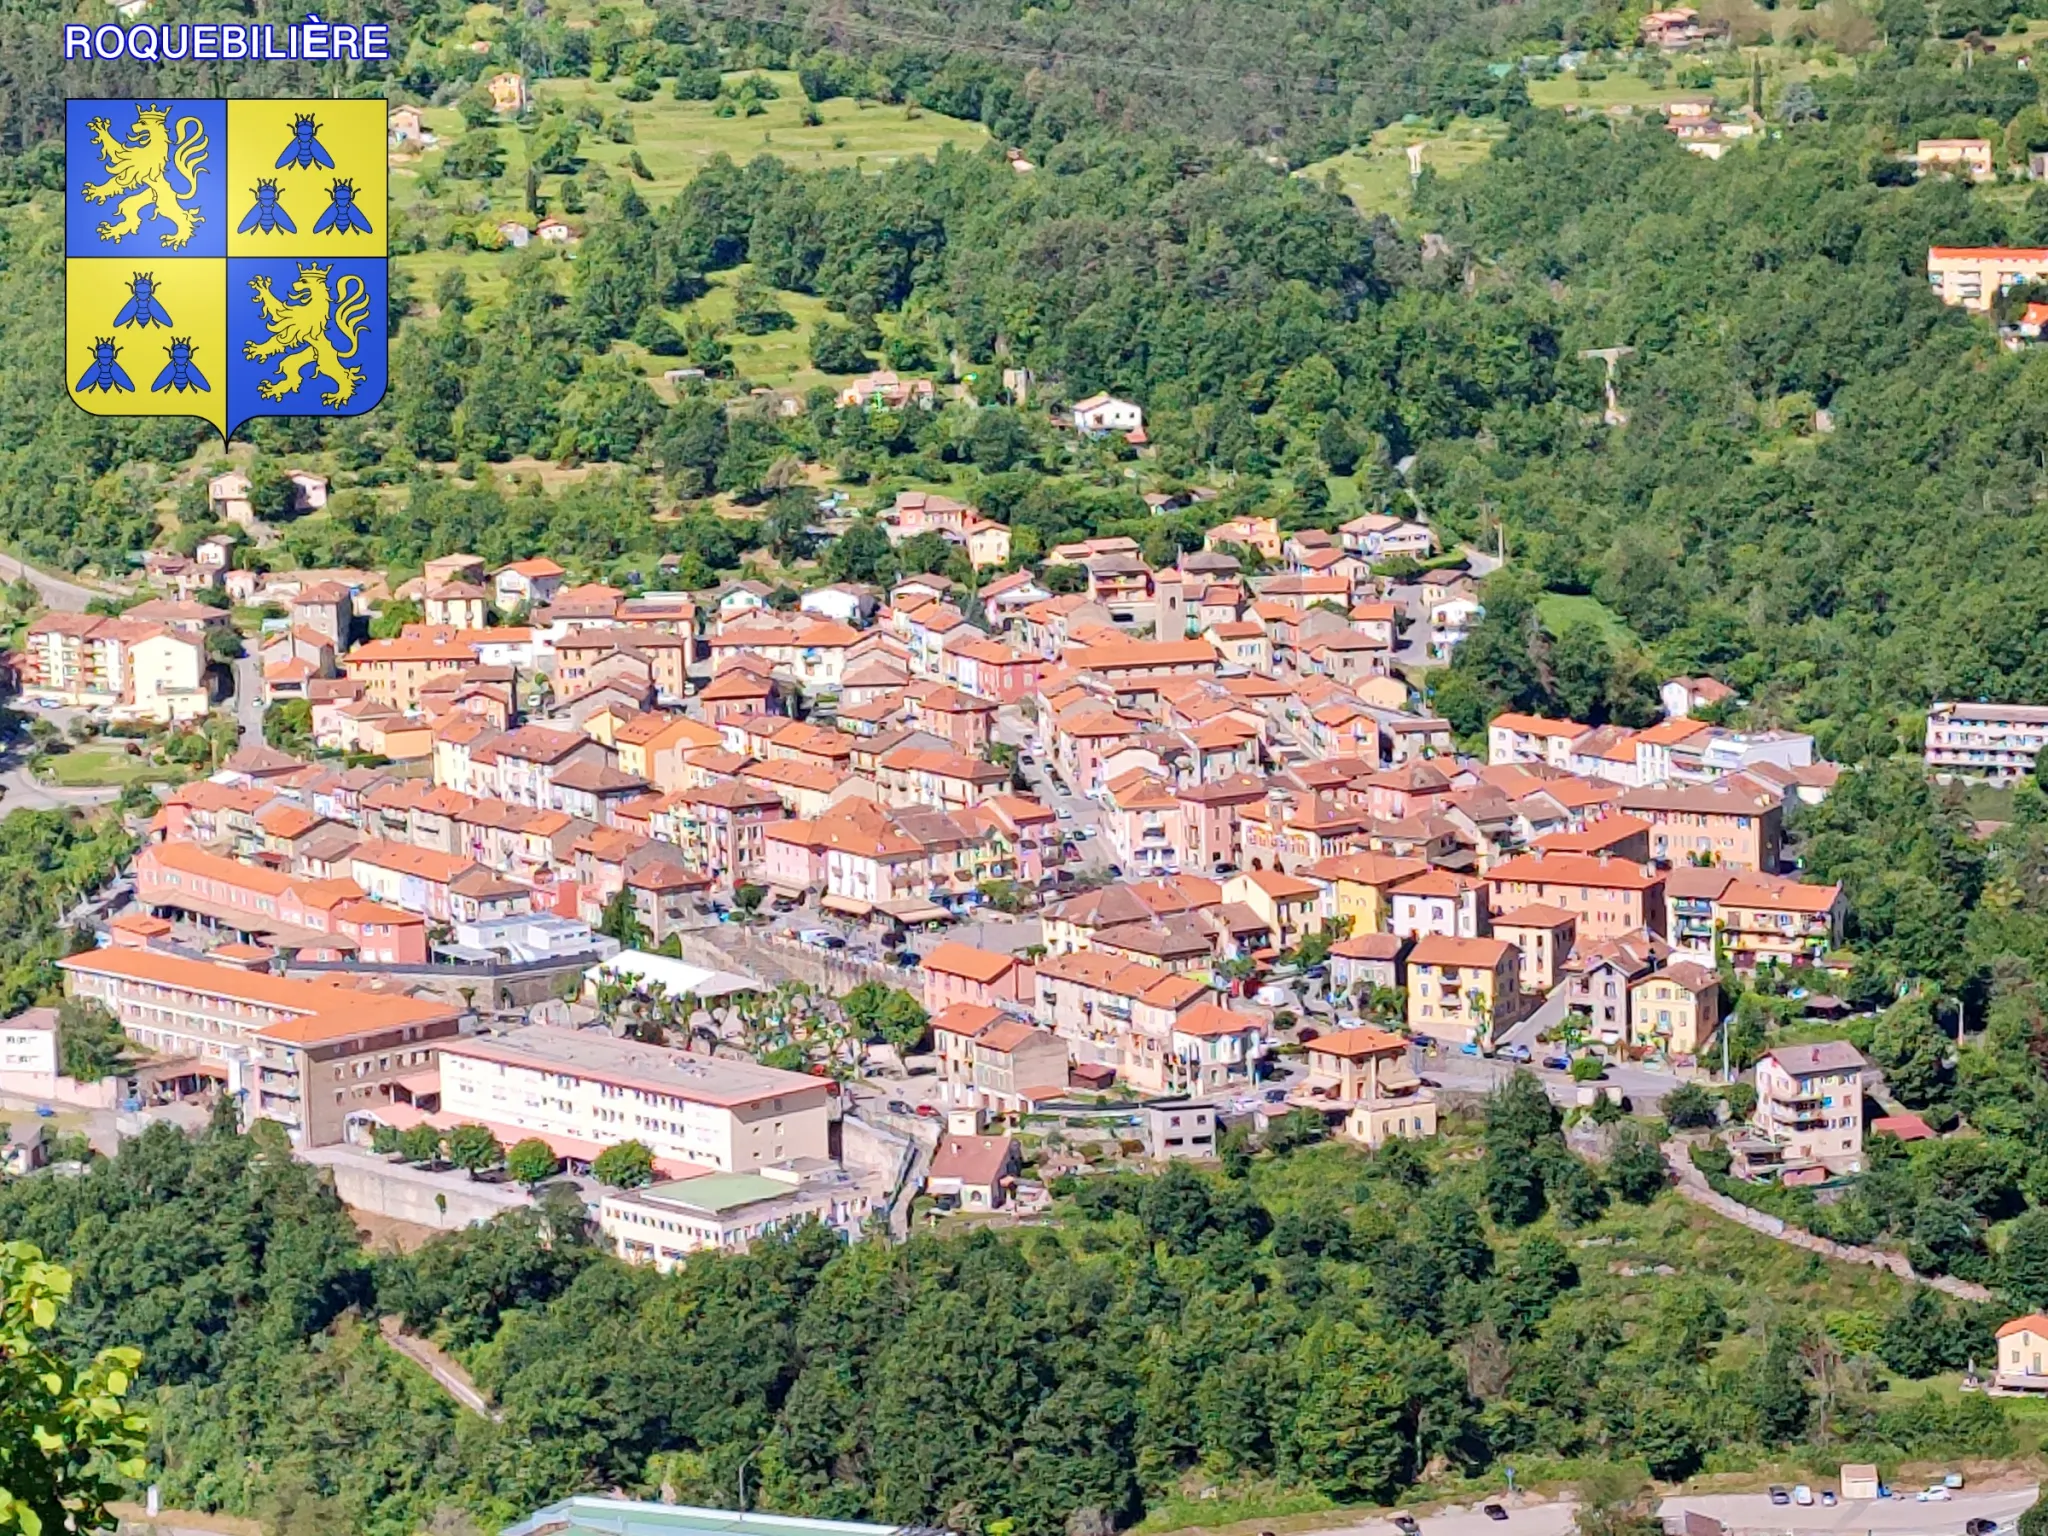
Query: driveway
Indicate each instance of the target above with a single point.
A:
(248, 675)
(1755, 1512)
(1554, 1519)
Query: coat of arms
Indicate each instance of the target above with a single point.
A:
(226, 259)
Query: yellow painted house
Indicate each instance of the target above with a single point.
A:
(1360, 886)
(1462, 989)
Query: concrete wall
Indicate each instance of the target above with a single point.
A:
(49, 1088)
(367, 1182)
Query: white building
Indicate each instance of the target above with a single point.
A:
(28, 1042)
(1999, 742)
(596, 1089)
(1105, 413)
(665, 1223)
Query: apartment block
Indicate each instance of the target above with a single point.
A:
(1998, 742)
(585, 1090)
(306, 1054)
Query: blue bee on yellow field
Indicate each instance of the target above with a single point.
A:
(305, 150)
(105, 373)
(143, 308)
(180, 373)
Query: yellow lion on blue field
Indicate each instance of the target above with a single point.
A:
(141, 166)
(298, 332)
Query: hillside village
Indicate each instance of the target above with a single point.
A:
(1184, 841)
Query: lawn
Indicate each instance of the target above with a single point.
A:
(674, 138)
(1559, 609)
(1374, 175)
(100, 767)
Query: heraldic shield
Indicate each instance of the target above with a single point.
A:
(225, 259)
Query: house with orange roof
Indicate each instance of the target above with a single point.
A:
(961, 973)
(1288, 905)
(309, 1055)
(868, 859)
(1620, 836)
(1022, 838)
(1130, 1017)
(994, 1061)
(1608, 896)
(392, 672)
(1360, 886)
(1543, 937)
(721, 828)
(1259, 533)
(1732, 821)
(1365, 1081)
(1439, 901)
(412, 879)
(2022, 1364)
(948, 779)
(1144, 825)
(1518, 738)
(991, 668)
(1761, 919)
(1463, 989)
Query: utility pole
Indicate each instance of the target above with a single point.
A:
(1616, 416)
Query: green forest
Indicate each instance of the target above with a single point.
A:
(1319, 1325)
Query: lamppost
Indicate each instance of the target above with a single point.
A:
(743, 1476)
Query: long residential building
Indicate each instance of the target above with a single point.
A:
(130, 667)
(306, 1054)
(1999, 742)
(585, 1090)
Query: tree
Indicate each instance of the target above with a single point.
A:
(474, 1149)
(1689, 1107)
(223, 644)
(90, 1042)
(288, 725)
(621, 920)
(628, 1165)
(747, 898)
(531, 1162)
(1776, 1393)
(838, 349)
(1635, 1167)
(419, 1144)
(476, 156)
(1912, 1051)
(63, 1429)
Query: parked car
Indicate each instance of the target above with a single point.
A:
(927, 1112)
(1276, 1095)
(1827, 1497)
(1933, 1493)
(1780, 1495)
(1469, 1048)
(1422, 1042)
(898, 1107)
(1953, 1480)
(1064, 814)
(1517, 1052)
(1318, 972)
(1407, 1525)
(909, 960)
(1494, 1511)
(833, 941)
(1226, 868)
(1558, 1063)
(1802, 1495)
(1980, 1527)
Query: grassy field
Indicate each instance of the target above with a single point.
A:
(95, 767)
(1374, 175)
(1559, 609)
(675, 138)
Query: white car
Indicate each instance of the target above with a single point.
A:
(1065, 814)
(1802, 1494)
(1935, 1494)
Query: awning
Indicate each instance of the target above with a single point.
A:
(785, 892)
(849, 906)
(908, 909)
(420, 1084)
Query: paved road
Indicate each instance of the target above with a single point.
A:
(1474, 1074)
(1903, 1517)
(248, 675)
(1554, 1519)
(67, 596)
(19, 791)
